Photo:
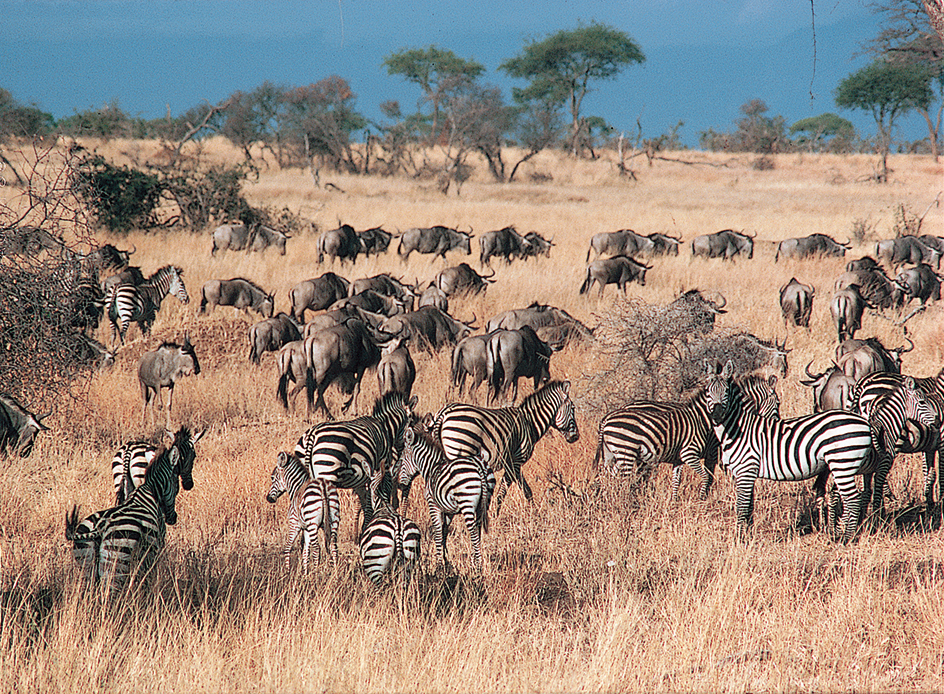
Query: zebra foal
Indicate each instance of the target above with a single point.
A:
(313, 506)
(753, 447)
(389, 546)
(462, 486)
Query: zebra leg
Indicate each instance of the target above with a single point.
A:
(475, 535)
(878, 491)
(744, 503)
(851, 505)
(865, 497)
(500, 492)
(367, 508)
(677, 480)
(437, 521)
(309, 542)
(293, 530)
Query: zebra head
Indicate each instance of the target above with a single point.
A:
(176, 286)
(719, 391)
(279, 482)
(183, 443)
(917, 407)
(408, 465)
(166, 492)
(565, 420)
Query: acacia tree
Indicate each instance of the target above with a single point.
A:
(826, 131)
(562, 67)
(887, 90)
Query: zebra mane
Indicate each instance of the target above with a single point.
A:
(433, 441)
(165, 271)
(385, 402)
(160, 453)
(550, 385)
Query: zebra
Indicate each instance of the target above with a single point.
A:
(786, 449)
(113, 544)
(909, 423)
(508, 434)
(313, 505)
(131, 461)
(451, 487)
(140, 303)
(389, 545)
(356, 454)
(676, 433)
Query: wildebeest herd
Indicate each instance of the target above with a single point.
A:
(383, 323)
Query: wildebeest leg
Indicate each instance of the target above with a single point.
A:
(146, 394)
(170, 402)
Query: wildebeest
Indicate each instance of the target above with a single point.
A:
(470, 358)
(317, 293)
(537, 245)
(866, 263)
(129, 275)
(341, 354)
(906, 249)
(374, 241)
(434, 296)
(293, 366)
(27, 240)
(341, 243)
(370, 300)
(108, 257)
(859, 358)
(514, 354)
(271, 334)
(796, 302)
(236, 237)
(622, 242)
(723, 244)
(846, 309)
(239, 293)
(92, 352)
(553, 325)
(920, 282)
(162, 368)
(396, 371)
(876, 288)
(462, 279)
(435, 240)
(619, 270)
(18, 426)
(338, 316)
(427, 328)
(807, 246)
(832, 389)
(697, 310)
(387, 285)
(504, 243)
(663, 244)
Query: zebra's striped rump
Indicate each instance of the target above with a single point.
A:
(140, 303)
(389, 546)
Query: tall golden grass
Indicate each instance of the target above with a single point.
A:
(586, 588)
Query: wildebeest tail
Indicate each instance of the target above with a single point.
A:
(495, 369)
(286, 375)
(586, 283)
(203, 300)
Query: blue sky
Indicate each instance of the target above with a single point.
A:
(703, 59)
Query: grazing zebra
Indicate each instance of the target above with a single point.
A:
(507, 434)
(132, 459)
(637, 436)
(312, 506)
(909, 422)
(787, 449)
(357, 454)
(389, 545)
(140, 303)
(114, 543)
(457, 486)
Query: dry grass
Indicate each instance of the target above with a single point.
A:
(589, 592)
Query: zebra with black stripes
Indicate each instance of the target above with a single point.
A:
(753, 447)
(313, 505)
(140, 303)
(389, 546)
(131, 460)
(116, 543)
(507, 434)
(358, 454)
(463, 486)
(907, 413)
(635, 438)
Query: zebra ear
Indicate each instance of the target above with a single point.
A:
(413, 402)
(772, 381)
(728, 370)
(909, 382)
(408, 436)
(199, 435)
(282, 459)
(566, 387)
(709, 367)
(169, 436)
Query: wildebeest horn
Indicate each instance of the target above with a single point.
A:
(724, 302)
(901, 350)
(847, 244)
(488, 277)
(41, 417)
(133, 250)
(811, 375)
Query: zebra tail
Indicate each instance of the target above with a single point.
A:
(485, 499)
(72, 527)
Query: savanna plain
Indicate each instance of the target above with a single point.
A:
(586, 588)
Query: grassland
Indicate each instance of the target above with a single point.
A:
(593, 591)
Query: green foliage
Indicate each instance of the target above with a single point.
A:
(120, 197)
(17, 120)
(211, 194)
(755, 133)
(886, 89)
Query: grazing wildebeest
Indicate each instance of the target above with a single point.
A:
(339, 315)
(162, 368)
(27, 240)
(796, 302)
(129, 275)
(236, 237)
(934, 242)
(619, 270)
(876, 288)
(317, 293)
(470, 358)
(427, 328)
(723, 244)
(859, 358)
(108, 257)
(396, 371)
(18, 427)
(435, 240)
(622, 242)
(537, 245)
(920, 282)
(846, 309)
(387, 285)
(906, 249)
(271, 334)
(434, 296)
(374, 241)
(370, 300)
(505, 243)
(866, 263)
(341, 243)
(92, 352)
(342, 353)
(832, 389)
(663, 244)
(514, 354)
(239, 293)
(807, 246)
(462, 279)
(697, 309)
(547, 322)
